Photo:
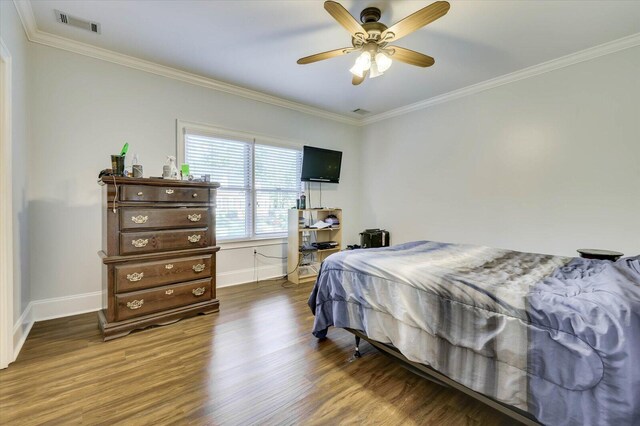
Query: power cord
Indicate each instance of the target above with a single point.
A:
(270, 257)
(115, 197)
(284, 277)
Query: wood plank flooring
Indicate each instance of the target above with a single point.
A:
(253, 363)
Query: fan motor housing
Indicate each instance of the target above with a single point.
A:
(370, 14)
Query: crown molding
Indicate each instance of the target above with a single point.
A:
(25, 12)
(562, 62)
(35, 35)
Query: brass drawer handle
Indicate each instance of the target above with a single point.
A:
(168, 292)
(168, 266)
(140, 243)
(140, 193)
(195, 195)
(199, 267)
(199, 291)
(194, 238)
(135, 304)
(169, 191)
(136, 276)
(194, 217)
(140, 219)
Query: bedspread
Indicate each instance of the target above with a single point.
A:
(558, 337)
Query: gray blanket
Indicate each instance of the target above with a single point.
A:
(555, 336)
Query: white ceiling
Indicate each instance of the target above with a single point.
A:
(255, 44)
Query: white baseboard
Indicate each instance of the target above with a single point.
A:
(46, 309)
(247, 275)
(21, 329)
(59, 307)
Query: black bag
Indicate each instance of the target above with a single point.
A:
(371, 238)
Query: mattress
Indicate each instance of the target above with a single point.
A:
(557, 337)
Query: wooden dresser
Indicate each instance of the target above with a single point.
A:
(158, 252)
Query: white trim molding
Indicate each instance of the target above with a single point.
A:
(66, 306)
(21, 330)
(35, 35)
(46, 309)
(248, 275)
(6, 210)
(562, 62)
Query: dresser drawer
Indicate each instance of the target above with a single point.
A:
(138, 276)
(152, 241)
(166, 194)
(129, 305)
(163, 218)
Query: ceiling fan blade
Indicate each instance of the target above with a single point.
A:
(416, 21)
(410, 57)
(325, 55)
(357, 80)
(344, 18)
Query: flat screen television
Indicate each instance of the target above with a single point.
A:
(320, 165)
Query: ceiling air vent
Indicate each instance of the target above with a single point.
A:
(361, 111)
(65, 18)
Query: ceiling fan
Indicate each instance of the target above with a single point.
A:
(372, 38)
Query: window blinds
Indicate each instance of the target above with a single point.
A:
(277, 184)
(230, 164)
(258, 184)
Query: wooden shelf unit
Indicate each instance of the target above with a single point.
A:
(299, 235)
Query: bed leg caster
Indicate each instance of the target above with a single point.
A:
(356, 353)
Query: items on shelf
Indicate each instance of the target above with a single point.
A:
(170, 170)
(332, 220)
(308, 247)
(325, 245)
(136, 167)
(301, 203)
(320, 225)
(314, 234)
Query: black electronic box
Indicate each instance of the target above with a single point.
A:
(372, 238)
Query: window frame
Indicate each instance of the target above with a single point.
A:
(187, 127)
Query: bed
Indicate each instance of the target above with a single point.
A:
(555, 339)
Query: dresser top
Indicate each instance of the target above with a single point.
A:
(121, 180)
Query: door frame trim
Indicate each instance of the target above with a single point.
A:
(6, 211)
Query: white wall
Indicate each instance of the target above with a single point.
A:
(15, 39)
(85, 109)
(547, 164)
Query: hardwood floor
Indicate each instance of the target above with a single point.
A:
(253, 363)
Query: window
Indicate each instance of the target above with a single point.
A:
(259, 183)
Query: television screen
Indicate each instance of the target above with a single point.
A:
(320, 165)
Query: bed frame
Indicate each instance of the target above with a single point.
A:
(442, 380)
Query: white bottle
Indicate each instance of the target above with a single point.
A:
(173, 169)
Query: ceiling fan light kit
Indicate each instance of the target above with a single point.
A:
(376, 63)
(372, 39)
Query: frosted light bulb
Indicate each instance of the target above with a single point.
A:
(374, 71)
(383, 62)
(365, 60)
(357, 70)
(363, 63)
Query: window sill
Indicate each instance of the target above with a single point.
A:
(257, 242)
